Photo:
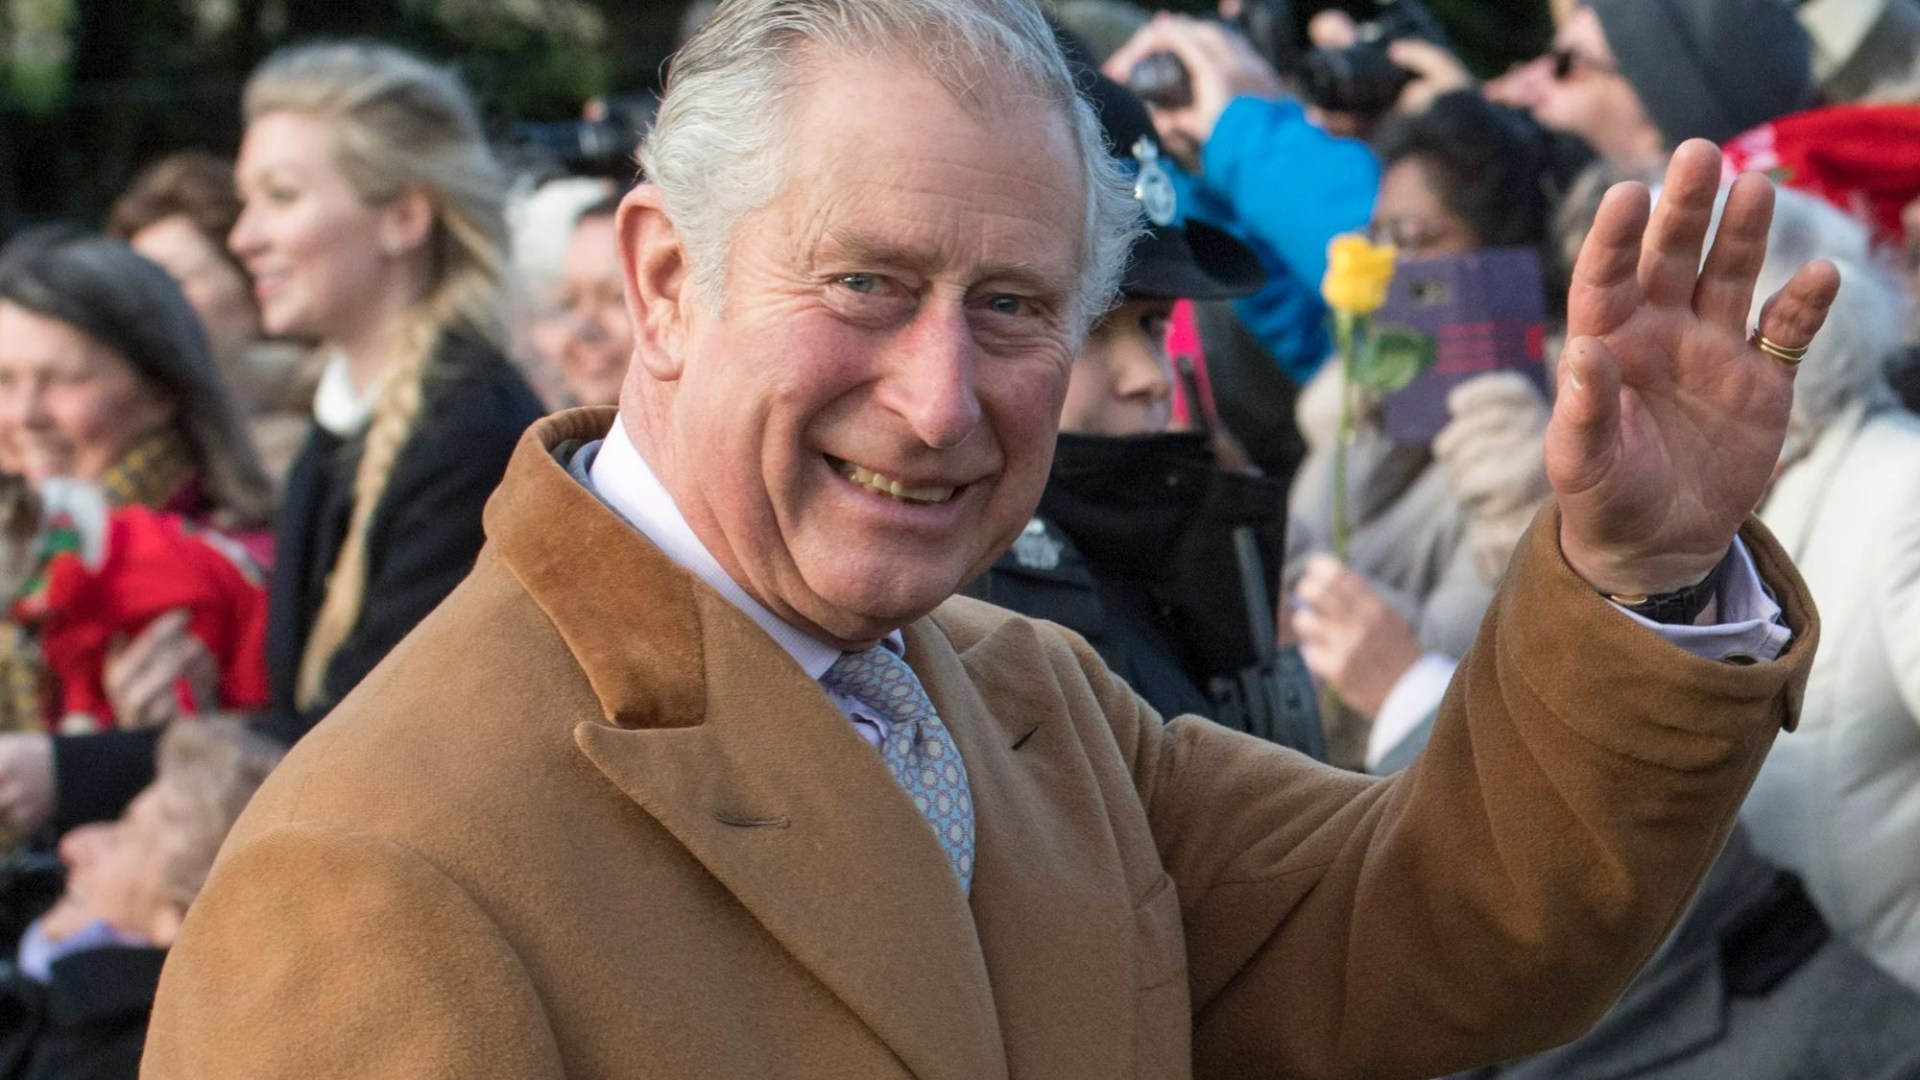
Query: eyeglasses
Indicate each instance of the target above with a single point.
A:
(1566, 61)
(1410, 234)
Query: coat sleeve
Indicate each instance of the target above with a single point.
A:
(318, 954)
(1497, 896)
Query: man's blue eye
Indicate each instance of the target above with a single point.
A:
(861, 283)
(1007, 305)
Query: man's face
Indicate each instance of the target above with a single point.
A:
(1122, 381)
(897, 318)
(1584, 94)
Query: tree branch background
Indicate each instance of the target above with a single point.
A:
(92, 89)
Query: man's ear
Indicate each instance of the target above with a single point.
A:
(660, 293)
(406, 223)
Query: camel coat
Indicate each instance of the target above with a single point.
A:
(589, 821)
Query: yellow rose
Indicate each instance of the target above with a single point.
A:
(1358, 273)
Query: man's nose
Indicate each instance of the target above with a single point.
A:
(930, 380)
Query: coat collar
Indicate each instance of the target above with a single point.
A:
(715, 732)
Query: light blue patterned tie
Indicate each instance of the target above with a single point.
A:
(918, 747)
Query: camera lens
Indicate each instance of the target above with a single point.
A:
(1360, 79)
(1161, 79)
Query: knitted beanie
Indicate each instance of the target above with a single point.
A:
(1710, 68)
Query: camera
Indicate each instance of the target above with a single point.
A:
(1358, 79)
(1269, 25)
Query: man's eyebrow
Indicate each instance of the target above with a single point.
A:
(880, 253)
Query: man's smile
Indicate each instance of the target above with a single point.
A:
(881, 484)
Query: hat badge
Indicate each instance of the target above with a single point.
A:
(1153, 185)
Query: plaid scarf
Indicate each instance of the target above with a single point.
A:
(158, 472)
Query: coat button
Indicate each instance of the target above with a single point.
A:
(1739, 659)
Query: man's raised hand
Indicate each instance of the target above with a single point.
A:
(1668, 420)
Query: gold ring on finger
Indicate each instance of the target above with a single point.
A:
(1786, 355)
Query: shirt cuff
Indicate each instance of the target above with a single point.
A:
(1413, 698)
(1741, 626)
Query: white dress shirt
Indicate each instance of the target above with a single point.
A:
(624, 481)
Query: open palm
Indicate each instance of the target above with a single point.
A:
(1669, 420)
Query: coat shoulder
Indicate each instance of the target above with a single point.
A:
(460, 723)
(978, 629)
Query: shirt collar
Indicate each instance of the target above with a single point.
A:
(343, 411)
(624, 481)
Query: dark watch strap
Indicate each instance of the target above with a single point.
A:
(1678, 608)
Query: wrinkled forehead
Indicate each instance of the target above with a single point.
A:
(981, 80)
(882, 152)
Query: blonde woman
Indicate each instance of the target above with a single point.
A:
(373, 224)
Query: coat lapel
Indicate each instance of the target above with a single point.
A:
(1051, 907)
(719, 736)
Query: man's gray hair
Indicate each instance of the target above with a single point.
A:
(1847, 366)
(717, 149)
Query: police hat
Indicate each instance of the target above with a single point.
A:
(1178, 257)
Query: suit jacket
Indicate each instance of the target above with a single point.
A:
(589, 821)
(1840, 804)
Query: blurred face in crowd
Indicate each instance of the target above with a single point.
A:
(1122, 382)
(868, 420)
(1408, 213)
(323, 261)
(69, 404)
(117, 871)
(594, 340)
(219, 292)
(1585, 94)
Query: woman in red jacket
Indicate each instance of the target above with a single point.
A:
(134, 493)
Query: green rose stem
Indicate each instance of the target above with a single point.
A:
(1348, 329)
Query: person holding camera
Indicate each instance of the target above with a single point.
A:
(1260, 168)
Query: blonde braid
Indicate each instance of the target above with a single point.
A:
(387, 434)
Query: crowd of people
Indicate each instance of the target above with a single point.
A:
(251, 422)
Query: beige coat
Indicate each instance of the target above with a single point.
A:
(589, 821)
(1839, 804)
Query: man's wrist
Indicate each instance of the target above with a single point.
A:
(1611, 573)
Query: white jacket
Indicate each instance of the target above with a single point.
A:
(1839, 801)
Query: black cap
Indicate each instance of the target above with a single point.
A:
(1710, 69)
(1178, 258)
